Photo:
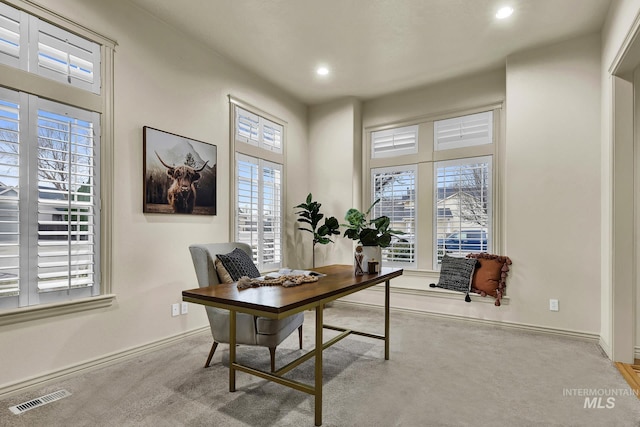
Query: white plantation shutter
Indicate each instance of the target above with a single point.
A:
(247, 126)
(63, 56)
(247, 202)
(271, 227)
(256, 130)
(67, 198)
(9, 193)
(68, 195)
(396, 187)
(272, 136)
(31, 44)
(463, 206)
(394, 142)
(259, 209)
(13, 37)
(464, 131)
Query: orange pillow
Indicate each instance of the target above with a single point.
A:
(486, 278)
(490, 277)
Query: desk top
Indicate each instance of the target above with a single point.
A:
(278, 301)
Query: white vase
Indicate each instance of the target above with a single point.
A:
(371, 253)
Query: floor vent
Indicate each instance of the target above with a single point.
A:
(39, 401)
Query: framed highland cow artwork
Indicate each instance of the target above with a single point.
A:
(179, 174)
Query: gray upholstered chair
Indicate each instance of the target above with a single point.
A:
(250, 329)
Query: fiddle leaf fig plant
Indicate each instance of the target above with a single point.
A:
(375, 232)
(310, 214)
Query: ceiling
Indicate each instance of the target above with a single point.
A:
(373, 47)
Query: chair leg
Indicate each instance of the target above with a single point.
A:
(213, 350)
(300, 336)
(272, 351)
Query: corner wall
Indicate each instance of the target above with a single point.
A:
(163, 80)
(335, 158)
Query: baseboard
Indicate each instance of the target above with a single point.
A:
(606, 348)
(8, 390)
(512, 325)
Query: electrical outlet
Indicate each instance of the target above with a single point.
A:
(175, 309)
(553, 305)
(184, 308)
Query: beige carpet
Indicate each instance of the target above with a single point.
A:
(441, 373)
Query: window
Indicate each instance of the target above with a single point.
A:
(51, 146)
(396, 189)
(451, 210)
(256, 130)
(463, 206)
(258, 188)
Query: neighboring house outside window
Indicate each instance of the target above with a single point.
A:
(434, 179)
(258, 183)
(51, 143)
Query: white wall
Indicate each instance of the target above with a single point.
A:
(164, 81)
(550, 182)
(334, 158)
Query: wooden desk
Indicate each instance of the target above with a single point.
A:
(278, 302)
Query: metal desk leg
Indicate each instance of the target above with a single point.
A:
(318, 372)
(386, 319)
(232, 350)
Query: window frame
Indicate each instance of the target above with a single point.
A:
(425, 159)
(102, 103)
(239, 148)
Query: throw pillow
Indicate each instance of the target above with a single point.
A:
(455, 273)
(223, 274)
(238, 264)
(491, 276)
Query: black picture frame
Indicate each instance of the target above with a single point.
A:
(179, 174)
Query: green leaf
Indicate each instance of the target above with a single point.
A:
(332, 223)
(396, 232)
(371, 207)
(305, 229)
(355, 217)
(384, 240)
(309, 197)
(381, 223)
(369, 237)
(304, 220)
(351, 234)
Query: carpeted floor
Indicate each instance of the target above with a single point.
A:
(441, 373)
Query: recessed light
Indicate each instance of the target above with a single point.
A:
(322, 71)
(504, 12)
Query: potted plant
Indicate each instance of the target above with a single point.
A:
(310, 214)
(373, 234)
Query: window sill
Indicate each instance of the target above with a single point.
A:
(432, 276)
(26, 314)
